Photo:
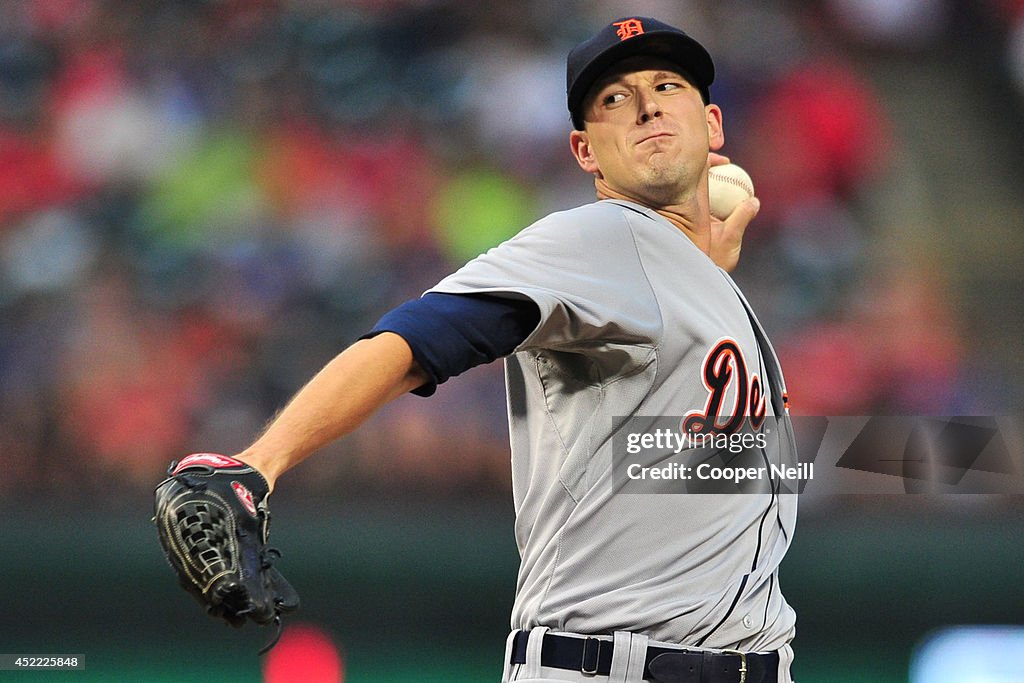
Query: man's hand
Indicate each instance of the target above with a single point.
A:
(727, 235)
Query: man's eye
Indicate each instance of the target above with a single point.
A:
(662, 87)
(614, 98)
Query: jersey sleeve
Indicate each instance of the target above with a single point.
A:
(581, 269)
(449, 334)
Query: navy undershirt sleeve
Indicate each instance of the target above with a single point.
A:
(451, 333)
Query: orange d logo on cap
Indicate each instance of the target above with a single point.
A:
(628, 28)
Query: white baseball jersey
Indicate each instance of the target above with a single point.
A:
(633, 316)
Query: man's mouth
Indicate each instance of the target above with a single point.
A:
(654, 136)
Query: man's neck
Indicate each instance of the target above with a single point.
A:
(685, 216)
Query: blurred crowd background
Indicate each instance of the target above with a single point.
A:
(202, 201)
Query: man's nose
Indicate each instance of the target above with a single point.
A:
(648, 106)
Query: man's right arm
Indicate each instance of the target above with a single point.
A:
(338, 399)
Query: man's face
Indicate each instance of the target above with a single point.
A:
(647, 132)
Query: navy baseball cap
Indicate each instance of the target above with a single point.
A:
(628, 37)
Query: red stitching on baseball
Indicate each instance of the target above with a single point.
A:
(735, 181)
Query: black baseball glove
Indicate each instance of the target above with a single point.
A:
(212, 518)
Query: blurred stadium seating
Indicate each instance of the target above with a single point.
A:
(202, 201)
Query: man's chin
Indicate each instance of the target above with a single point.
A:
(665, 187)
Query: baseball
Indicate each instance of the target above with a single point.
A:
(728, 185)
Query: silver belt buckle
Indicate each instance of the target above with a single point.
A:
(743, 663)
(584, 669)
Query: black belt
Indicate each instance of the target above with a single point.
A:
(594, 656)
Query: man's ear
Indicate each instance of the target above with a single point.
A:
(584, 153)
(716, 133)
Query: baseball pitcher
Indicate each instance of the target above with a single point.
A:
(621, 308)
